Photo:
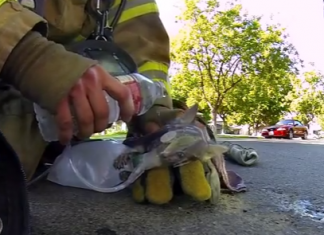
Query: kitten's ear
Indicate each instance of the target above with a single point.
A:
(189, 116)
(218, 149)
(214, 150)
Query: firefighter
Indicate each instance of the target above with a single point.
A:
(35, 67)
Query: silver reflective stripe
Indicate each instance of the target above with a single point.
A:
(1, 225)
(129, 5)
(28, 3)
(40, 7)
(151, 74)
(37, 6)
(157, 75)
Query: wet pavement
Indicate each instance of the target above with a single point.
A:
(286, 196)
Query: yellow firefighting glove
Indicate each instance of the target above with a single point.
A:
(159, 185)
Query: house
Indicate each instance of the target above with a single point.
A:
(314, 127)
(219, 129)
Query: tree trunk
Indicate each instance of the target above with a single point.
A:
(214, 119)
(249, 130)
(225, 127)
(256, 128)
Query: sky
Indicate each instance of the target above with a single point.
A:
(303, 20)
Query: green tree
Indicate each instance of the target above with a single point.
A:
(307, 96)
(261, 100)
(320, 120)
(217, 50)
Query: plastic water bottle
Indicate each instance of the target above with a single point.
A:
(144, 92)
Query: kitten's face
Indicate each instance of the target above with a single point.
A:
(189, 147)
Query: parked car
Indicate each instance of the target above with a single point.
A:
(286, 129)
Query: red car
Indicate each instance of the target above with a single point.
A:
(286, 129)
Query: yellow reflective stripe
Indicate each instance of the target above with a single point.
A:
(134, 8)
(79, 38)
(129, 5)
(138, 11)
(151, 65)
(166, 84)
(157, 72)
(116, 3)
(2, 2)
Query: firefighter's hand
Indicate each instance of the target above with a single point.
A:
(89, 105)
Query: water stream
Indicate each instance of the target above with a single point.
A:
(304, 208)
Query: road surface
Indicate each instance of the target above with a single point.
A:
(286, 196)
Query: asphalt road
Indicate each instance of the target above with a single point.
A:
(286, 196)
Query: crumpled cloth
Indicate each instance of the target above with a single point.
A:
(240, 155)
(230, 180)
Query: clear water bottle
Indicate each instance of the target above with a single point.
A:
(144, 92)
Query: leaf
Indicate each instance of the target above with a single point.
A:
(307, 96)
(230, 64)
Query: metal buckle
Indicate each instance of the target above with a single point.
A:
(102, 23)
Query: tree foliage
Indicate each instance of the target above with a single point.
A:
(227, 62)
(320, 120)
(260, 101)
(307, 96)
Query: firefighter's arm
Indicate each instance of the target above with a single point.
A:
(15, 22)
(39, 69)
(141, 33)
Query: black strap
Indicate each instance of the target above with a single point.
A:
(119, 11)
(103, 30)
(40, 9)
(109, 4)
(108, 31)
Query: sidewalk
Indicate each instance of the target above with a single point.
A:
(230, 136)
(223, 136)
